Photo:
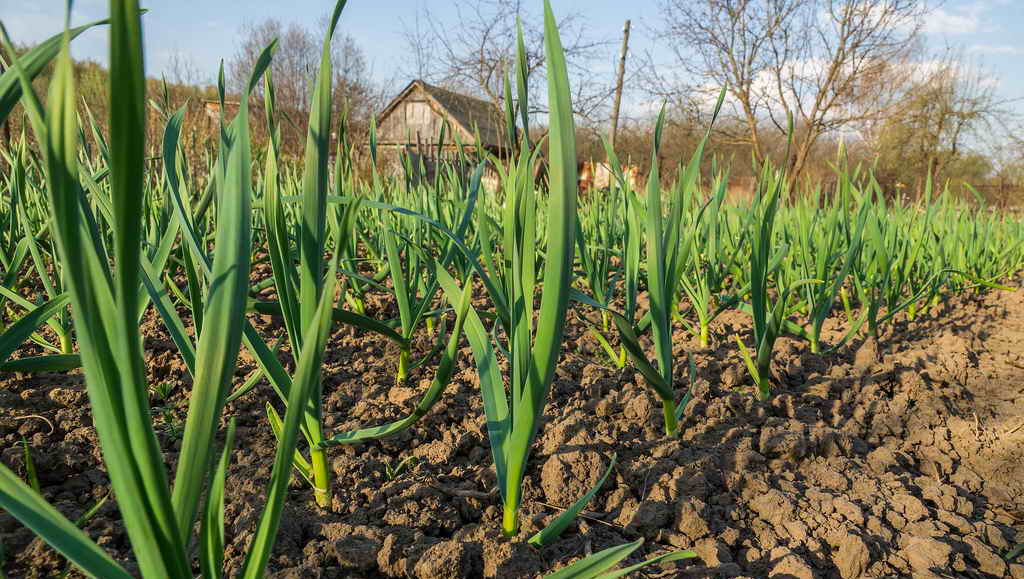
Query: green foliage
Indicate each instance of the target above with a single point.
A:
(94, 234)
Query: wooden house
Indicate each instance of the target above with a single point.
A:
(411, 125)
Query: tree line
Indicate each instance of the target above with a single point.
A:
(858, 73)
(803, 77)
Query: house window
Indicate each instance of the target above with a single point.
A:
(418, 114)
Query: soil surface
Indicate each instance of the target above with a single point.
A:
(897, 458)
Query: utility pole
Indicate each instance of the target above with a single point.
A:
(618, 84)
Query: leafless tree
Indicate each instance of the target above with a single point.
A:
(353, 87)
(950, 110)
(295, 67)
(417, 39)
(182, 69)
(827, 62)
(296, 62)
(472, 51)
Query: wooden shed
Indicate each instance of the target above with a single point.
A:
(411, 124)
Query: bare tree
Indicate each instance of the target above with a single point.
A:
(353, 87)
(472, 51)
(725, 43)
(297, 60)
(820, 60)
(182, 69)
(295, 66)
(951, 106)
(418, 40)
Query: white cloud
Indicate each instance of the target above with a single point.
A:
(997, 49)
(965, 20)
(33, 22)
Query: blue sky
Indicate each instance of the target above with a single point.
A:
(989, 32)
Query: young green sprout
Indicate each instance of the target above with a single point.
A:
(669, 244)
(769, 306)
(105, 306)
(533, 347)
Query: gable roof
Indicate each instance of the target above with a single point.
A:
(467, 113)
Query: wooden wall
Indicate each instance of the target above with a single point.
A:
(411, 118)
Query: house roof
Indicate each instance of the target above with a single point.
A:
(465, 112)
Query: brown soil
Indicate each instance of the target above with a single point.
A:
(896, 459)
